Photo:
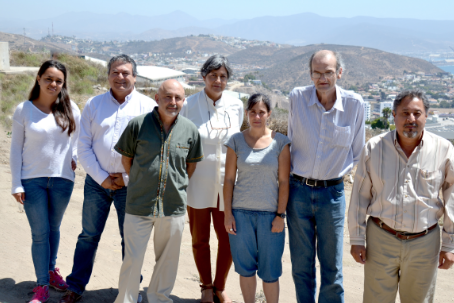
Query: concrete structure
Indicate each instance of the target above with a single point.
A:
(443, 127)
(156, 75)
(150, 75)
(99, 61)
(378, 107)
(367, 110)
(4, 56)
(5, 67)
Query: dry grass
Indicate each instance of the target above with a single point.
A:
(14, 89)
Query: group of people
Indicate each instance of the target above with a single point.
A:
(158, 159)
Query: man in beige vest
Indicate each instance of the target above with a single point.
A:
(397, 183)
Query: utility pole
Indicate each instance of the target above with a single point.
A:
(24, 35)
(52, 29)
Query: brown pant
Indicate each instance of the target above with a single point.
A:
(199, 224)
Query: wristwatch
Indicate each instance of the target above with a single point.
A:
(280, 215)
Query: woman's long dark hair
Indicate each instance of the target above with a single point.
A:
(61, 108)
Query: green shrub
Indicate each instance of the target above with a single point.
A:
(28, 59)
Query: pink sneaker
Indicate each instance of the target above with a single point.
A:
(41, 294)
(56, 281)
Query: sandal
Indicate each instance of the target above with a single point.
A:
(217, 299)
(206, 287)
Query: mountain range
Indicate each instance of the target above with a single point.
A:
(402, 35)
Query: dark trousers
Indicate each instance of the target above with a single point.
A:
(199, 224)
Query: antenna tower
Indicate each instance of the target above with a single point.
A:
(52, 29)
(24, 35)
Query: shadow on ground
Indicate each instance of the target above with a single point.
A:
(10, 292)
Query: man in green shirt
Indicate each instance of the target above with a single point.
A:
(160, 151)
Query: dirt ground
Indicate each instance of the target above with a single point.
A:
(17, 277)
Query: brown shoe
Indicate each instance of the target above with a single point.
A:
(70, 297)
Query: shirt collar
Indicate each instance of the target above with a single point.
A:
(210, 102)
(337, 104)
(396, 143)
(127, 99)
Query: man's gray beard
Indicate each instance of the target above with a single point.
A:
(410, 135)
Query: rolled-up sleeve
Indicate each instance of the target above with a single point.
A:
(360, 200)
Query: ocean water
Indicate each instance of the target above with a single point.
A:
(448, 68)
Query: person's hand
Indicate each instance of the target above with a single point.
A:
(117, 178)
(109, 184)
(229, 223)
(73, 165)
(359, 253)
(277, 225)
(20, 197)
(446, 260)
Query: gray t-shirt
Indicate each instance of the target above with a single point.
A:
(257, 185)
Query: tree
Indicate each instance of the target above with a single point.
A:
(444, 104)
(378, 123)
(382, 95)
(248, 77)
(386, 114)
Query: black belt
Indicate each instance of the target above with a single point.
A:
(318, 183)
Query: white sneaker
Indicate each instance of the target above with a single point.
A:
(139, 298)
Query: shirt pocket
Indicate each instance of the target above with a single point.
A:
(342, 136)
(428, 183)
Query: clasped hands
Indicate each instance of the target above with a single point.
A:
(114, 181)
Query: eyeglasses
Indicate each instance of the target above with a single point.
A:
(219, 128)
(317, 75)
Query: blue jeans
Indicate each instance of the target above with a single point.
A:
(255, 247)
(315, 217)
(97, 202)
(45, 203)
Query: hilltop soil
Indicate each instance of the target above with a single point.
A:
(289, 67)
(17, 277)
(19, 42)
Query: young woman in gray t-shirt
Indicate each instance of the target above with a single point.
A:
(255, 205)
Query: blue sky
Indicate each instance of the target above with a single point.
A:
(235, 9)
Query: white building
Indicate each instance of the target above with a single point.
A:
(156, 75)
(378, 109)
(99, 61)
(379, 106)
(367, 111)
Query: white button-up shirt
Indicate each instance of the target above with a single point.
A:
(102, 123)
(404, 192)
(325, 144)
(208, 179)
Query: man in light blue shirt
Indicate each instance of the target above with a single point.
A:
(103, 120)
(326, 127)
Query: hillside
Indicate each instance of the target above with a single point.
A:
(17, 42)
(179, 46)
(289, 67)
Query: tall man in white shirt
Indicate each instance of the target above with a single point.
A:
(326, 126)
(103, 120)
(398, 181)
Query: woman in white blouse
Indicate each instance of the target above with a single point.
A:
(43, 159)
(217, 116)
